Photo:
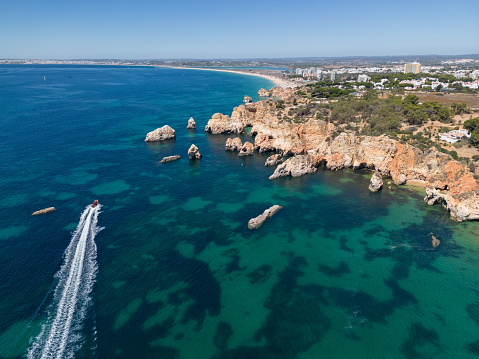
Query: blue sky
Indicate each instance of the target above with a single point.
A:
(147, 29)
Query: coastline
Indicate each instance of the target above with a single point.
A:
(278, 81)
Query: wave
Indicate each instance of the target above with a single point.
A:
(61, 334)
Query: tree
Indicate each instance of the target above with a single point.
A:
(471, 124)
(444, 114)
(474, 140)
(412, 99)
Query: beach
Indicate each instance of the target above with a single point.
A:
(271, 75)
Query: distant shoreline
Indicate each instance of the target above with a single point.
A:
(280, 82)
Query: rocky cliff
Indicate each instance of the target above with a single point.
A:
(390, 158)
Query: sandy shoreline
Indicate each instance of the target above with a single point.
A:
(278, 81)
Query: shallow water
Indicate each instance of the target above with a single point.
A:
(339, 272)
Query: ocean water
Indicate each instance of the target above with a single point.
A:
(170, 269)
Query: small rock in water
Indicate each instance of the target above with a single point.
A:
(43, 211)
(376, 182)
(435, 242)
(255, 223)
(170, 158)
(193, 152)
(191, 124)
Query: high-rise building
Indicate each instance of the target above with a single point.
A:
(414, 68)
(319, 74)
(333, 75)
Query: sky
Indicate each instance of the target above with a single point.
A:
(211, 29)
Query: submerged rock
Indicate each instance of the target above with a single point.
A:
(258, 221)
(160, 134)
(435, 242)
(170, 158)
(193, 152)
(43, 211)
(191, 124)
(233, 144)
(274, 160)
(247, 149)
(376, 182)
(295, 166)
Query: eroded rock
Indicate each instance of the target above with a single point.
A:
(191, 124)
(247, 99)
(274, 160)
(233, 144)
(295, 166)
(160, 134)
(220, 123)
(376, 182)
(255, 223)
(247, 149)
(194, 153)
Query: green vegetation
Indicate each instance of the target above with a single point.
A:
(472, 126)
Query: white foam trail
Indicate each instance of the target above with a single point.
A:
(61, 334)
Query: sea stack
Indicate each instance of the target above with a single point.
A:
(193, 152)
(247, 99)
(160, 134)
(43, 211)
(376, 182)
(247, 149)
(233, 144)
(191, 124)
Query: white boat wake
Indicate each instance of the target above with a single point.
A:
(61, 333)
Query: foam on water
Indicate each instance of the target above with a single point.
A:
(61, 333)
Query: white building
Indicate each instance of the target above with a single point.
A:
(333, 75)
(363, 78)
(454, 136)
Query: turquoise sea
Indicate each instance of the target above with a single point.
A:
(339, 272)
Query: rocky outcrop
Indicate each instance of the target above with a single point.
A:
(462, 207)
(247, 99)
(274, 160)
(255, 223)
(170, 158)
(193, 152)
(191, 124)
(220, 123)
(43, 211)
(264, 93)
(233, 144)
(376, 182)
(296, 166)
(247, 149)
(317, 138)
(160, 134)
(435, 242)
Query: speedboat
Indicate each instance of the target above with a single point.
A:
(95, 203)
